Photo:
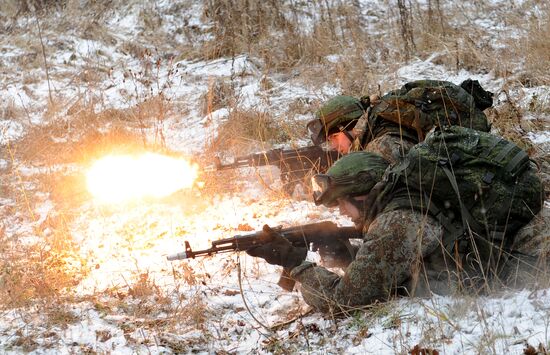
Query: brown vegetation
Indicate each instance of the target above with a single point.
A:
(338, 49)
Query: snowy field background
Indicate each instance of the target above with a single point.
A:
(77, 276)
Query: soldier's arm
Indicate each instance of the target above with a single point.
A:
(393, 249)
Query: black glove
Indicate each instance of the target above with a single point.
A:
(278, 251)
(336, 253)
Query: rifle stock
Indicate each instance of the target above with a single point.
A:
(299, 236)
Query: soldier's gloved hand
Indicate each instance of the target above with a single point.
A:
(335, 253)
(278, 251)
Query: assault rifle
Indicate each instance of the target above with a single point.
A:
(296, 165)
(314, 236)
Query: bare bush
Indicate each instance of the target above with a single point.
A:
(245, 129)
(220, 94)
(42, 271)
(240, 24)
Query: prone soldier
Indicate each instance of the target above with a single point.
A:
(390, 125)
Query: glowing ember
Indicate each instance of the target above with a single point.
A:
(124, 177)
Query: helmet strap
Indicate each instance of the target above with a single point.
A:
(346, 133)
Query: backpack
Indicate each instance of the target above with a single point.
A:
(421, 105)
(482, 98)
(484, 183)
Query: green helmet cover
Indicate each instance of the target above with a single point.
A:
(339, 113)
(364, 170)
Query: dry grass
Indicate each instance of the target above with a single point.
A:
(29, 274)
(534, 47)
(60, 315)
(47, 268)
(415, 30)
(246, 130)
(19, 7)
(44, 270)
(220, 94)
(269, 31)
(240, 25)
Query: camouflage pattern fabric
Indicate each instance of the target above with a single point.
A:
(391, 147)
(361, 171)
(337, 114)
(403, 253)
(499, 188)
(391, 256)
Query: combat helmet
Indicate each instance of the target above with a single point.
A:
(338, 114)
(352, 175)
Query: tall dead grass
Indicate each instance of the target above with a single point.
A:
(536, 48)
(21, 7)
(45, 270)
(44, 263)
(244, 130)
(274, 33)
(335, 49)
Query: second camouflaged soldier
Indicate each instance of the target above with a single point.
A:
(390, 125)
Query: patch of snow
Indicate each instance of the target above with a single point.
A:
(535, 98)
(126, 22)
(249, 96)
(192, 134)
(425, 69)
(87, 332)
(539, 137)
(10, 130)
(87, 49)
(43, 210)
(333, 58)
(228, 67)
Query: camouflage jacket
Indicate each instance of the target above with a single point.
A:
(391, 147)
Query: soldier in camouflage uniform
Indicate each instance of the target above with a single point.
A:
(378, 124)
(390, 258)
(404, 250)
(336, 121)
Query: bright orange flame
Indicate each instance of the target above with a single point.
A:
(120, 178)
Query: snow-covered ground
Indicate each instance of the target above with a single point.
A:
(129, 298)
